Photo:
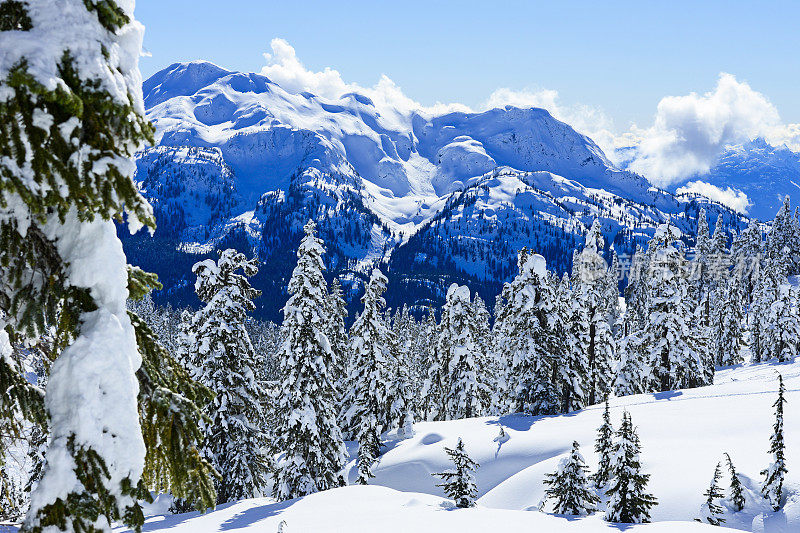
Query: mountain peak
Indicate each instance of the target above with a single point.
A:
(180, 79)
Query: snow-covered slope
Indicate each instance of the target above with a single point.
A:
(367, 509)
(764, 172)
(683, 435)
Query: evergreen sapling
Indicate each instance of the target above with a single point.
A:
(569, 487)
(459, 483)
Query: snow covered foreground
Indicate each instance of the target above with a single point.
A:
(683, 433)
(372, 509)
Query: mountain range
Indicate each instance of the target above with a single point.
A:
(433, 197)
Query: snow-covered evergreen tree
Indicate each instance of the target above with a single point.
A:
(784, 324)
(592, 337)
(569, 487)
(711, 511)
(783, 240)
(12, 502)
(666, 341)
(604, 446)
(71, 120)
(730, 323)
(736, 491)
(225, 363)
(429, 370)
(746, 255)
(628, 502)
(636, 293)
(466, 393)
(772, 489)
(523, 333)
(459, 483)
(337, 334)
(308, 435)
(367, 401)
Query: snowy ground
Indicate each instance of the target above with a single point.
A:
(683, 434)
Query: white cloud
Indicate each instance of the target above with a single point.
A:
(284, 68)
(689, 132)
(733, 198)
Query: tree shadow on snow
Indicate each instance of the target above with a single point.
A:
(666, 395)
(252, 515)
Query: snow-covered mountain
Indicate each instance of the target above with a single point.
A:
(765, 173)
(242, 162)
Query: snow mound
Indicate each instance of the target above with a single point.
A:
(372, 509)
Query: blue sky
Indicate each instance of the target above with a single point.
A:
(619, 57)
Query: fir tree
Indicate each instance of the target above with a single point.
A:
(666, 339)
(592, 335)
(367, 401)
(225, 363)
(464, 383)
(459, 483)
(711, 510)
(736, 496)
(730, 322)
(337, 334)
(603, 446)
(170, 414)
(628, 502)
(784, 324)
(71, 120)
(569, 487)
(523, 333)
(772, 489)
(307, 435)
(12, 501)
(430, 393)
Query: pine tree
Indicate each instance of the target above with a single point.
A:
(784, 324)
(711, 510)
(593, 339)
(636, 293)
(736, 496)
(12, 502)
(772, 489)
(337, 334)
(730, 323)
(603, 446)
(307, 434)
(464, 383)
(225, 363)
(170, 414)
(782, 239)
(71, 120)
(746, 254)
(628, 502)
(523, 332)
(569, 487)
(367, 401)
(430, 393)
(665, 339)
(760, 319)
(459, 483)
